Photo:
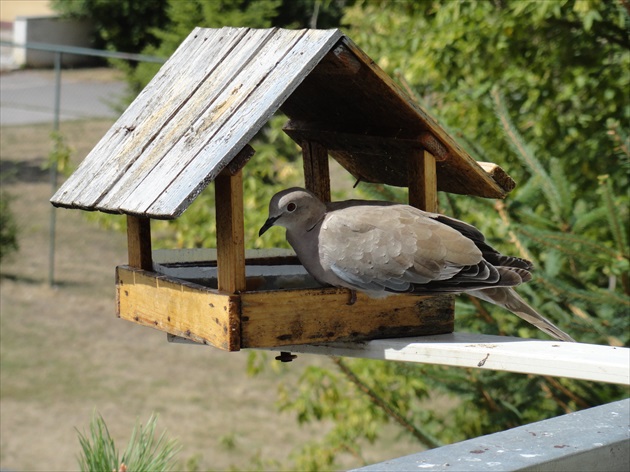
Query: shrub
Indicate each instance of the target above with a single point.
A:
(143, 451)
(8, 228)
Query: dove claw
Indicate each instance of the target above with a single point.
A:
(353, 297)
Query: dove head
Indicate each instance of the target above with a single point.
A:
(296, 209)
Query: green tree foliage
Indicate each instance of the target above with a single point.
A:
(119, 25)
(540, 88)
(8, 228)
(562, 66)
(183, 17)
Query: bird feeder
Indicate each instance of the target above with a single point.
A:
(192, 125)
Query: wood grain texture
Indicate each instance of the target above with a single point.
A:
(263, 87)
(303, 133)
(198, 119)
(315, 315)
(209, 99)
(230, 233)
(139, 242)
(423, 181)
(207, 127)
(489, 352)
(499, 175)
(152, 109)
(177, 307)
(316, 169)
(237, 164)
(343, 100)
(476, 180)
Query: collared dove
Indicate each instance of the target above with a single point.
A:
(383, 248)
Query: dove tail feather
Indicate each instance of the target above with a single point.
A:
(507, 297)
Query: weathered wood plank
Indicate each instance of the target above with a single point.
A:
(316, 170)
(278, 73)
(483, 351)
(423, 181)
(365, 101)
(339, 61)
(169, 256)
(309, 316)
(230, 233)
(179, 138)
(139, 242)
(154, 106)
(498, 175)
(237, 164)
(180, 308)
(476, 180)
(382, 146)
(215, 99)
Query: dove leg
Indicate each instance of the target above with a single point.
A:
(353, 298)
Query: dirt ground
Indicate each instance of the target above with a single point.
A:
(64, 354)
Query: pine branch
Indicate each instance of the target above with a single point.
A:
(502, 211)
(551, 395)
(617, 229)
(425, 438)
(569, 244)
(557, 385)
(594, 216)
(595, 296)
(562, 186)
(484, 313)
(557, 287)
(525, 155)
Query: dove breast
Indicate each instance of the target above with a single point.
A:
(378, 248)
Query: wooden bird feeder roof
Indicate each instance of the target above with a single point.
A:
(195, 118)
(191, 126)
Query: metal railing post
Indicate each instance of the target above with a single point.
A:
(58, 50)
(53, 170)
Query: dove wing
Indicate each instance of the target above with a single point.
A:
(393, 248)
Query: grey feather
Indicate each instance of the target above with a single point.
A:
(382, 248)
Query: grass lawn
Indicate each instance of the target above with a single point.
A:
(64, 354)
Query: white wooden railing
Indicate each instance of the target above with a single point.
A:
(591, 440)
(560, 359)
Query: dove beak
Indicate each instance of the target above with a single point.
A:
(268, 224)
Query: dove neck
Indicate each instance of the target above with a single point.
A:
(310, 227)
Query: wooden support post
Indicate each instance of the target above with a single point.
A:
(139, 242)
(230, 232)
(423, 181)
(316, 170)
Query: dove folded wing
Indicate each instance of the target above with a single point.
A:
(400, 249)
(490, 254)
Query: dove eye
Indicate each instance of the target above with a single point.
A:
(291, 207)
